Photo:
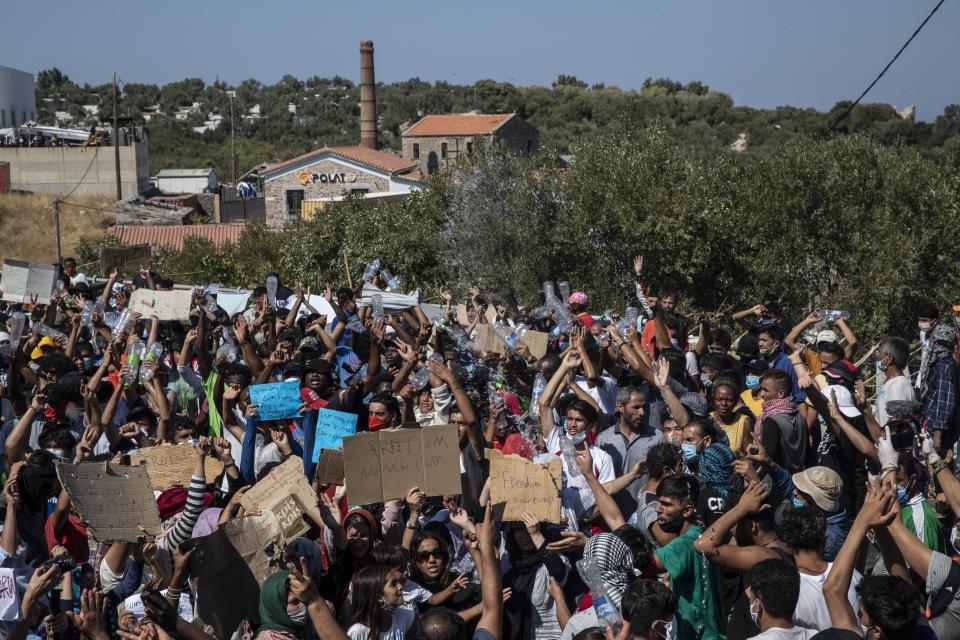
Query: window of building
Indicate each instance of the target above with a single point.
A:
(443, 149)
(469, 147)
(359, 190)
(294, 202)
(416, 151)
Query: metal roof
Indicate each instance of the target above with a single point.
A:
(184, 173)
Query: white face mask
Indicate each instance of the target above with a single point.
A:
(299, 615)
(755, 615)
(924, 326)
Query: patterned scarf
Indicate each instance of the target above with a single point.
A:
(615, 561)
(771, 408)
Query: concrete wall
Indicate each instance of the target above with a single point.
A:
(17, 97)
(57, 170)
(186, 184)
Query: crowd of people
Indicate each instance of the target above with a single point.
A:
(713, 486)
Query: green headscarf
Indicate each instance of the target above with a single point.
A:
(273, 605)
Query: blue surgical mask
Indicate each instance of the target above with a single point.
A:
(753, 381)
(902, 495)
(706, 381)
(797, 502)
(689, 451)
(578, 438)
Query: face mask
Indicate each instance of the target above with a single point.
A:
(386, 606)
(798, 503)
(689, 451)
(374, 423)
(753, 381)
(578, 438)
(902, 494)
(669, 633)
(706, 381)
(298, 616)
(59, 453)
(924, 326)
(672, 527)
(880, 366)
(87, 364)
(754, 615)
(772, 350)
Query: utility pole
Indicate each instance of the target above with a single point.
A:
(56, 222)
(116, 140)
(233, 137)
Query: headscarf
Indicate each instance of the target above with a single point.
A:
(773, 407)
(273, 605)
(716, 465)
(207, 522)
(615, 561)
(942, 342)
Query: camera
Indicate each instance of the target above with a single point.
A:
(65, 562)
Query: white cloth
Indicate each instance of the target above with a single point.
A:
(402, 619)
(392, 302)
(233, 303)
(811, 609)
(605, 396)
(779, 633)
(576, 494)
(898, 388)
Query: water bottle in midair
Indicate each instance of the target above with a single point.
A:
(134, 355)
(539, 384)
(272, 283)
(569, 451)
(606, 609)
(371, 269)
(629, 320)
(49, 332)
(153, 354)
(121, 323)
(834, 314)
(15, 325)
(376, 302)
(564, 288)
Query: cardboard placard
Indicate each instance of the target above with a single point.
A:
(115, 502)
(332, 426)
(330, 467)
(127, 259)
(168, 465)
(166, 305)
(518, 485)
(277, 400)
(23, 280)
(134, 604)
(488, 340)
(233, 302)
(384, 465)
(9, 597)
(286, 492)
(230, 565)
(461, 311)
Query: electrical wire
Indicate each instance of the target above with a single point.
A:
(889, 64)
(84, 176)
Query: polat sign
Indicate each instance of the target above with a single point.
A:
(305, 177)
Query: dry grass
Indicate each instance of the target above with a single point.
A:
(27, 230)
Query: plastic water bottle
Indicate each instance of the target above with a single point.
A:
(154, 353)
(354, 324)
(391, 282)
(15, 326)
(272, 283)
(511, 336)
(371, 269)
(211, 304)
(539, 384)
(50, 332)
(376, 301)
(607, 611)
(121, 323)
(834, 314)
(569, 451)
(420, 378)
(540, 313)
(564, 288)
(629, 320)
(134, 354)
(227, 352)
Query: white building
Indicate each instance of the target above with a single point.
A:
(187, 180)
(18, 99)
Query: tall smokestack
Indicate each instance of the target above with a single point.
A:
(368, 97)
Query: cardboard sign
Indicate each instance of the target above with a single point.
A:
(286, 492)
(461, 311)
(134, 604)
(115, 502)
(169, 465)
(277, 400)
(237, 555)
(518, 485)
(9, 598)
(233, 302)
(125, 259)
(488, 340)
(330, 467)
(23, 280)
(384, 465)
(166, 305)
(332, 426)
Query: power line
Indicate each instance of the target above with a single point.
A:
(84, 176)
(889, 64)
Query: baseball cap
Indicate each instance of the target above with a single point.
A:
(317, 365)
(827, 335)
(844, 399)
(841, 370)
(312, 398)
(822, 484)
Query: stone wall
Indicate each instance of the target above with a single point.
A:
(519, 136)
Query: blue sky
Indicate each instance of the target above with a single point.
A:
(764, 53)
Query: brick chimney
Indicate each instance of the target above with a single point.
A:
(368, 97)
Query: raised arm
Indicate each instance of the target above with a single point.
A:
(850, 348)
(793, 338)
(662, 378)
(714, 543)
(571, 360)
(607, 506)
(490, 620)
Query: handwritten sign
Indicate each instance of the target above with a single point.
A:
(166, 305)
(277, 400)
(384, 465)
(257, 539)
(115, 502)
(126, 259)
(9, 598)
(134, 604)
(169, 465)
(518, 485)
(330, 467)
(332, 426)
(23, 280)
(488, 340)
(286, 492)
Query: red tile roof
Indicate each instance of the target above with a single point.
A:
(382, 160)
(461, 124)
(172, 236)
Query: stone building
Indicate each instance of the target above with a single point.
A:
(330, 173)
(436, 141)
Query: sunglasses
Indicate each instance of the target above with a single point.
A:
(423, 556)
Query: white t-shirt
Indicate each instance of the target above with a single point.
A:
(402, 619)
(779, 633)
(898, 388)
(576, 494)
(605, 396)
(812, 611)
(414, 594)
